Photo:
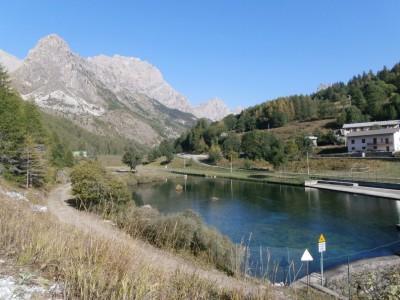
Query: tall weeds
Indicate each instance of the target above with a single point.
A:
(184, 232)
(90, 267)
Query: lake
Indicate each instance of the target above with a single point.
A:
(285, 219)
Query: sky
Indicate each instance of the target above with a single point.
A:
(243, 52)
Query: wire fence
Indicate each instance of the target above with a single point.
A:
(390, 175)
(283, 265)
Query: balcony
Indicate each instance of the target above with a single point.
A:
(386, 143)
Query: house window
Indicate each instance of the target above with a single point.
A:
(375, 147)
(363, 141)
(353, 148)
(363, 148)
(352, 141)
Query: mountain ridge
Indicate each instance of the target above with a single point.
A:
(213, 109)
(125, 77)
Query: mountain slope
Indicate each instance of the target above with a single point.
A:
(109, 96)
(10, 62)
(214, 109)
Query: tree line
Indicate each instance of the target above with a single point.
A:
(365, 97)
(29, 151)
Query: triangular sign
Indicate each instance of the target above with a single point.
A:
(306, 256)
(321, 239)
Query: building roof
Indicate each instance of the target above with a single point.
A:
(370, 124)
(373, 132)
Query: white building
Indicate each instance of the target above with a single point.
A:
(386, 140)
(313, 140)
(353, 127)
(79, 153)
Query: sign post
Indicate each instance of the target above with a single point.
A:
(321, 249)
(307, 257)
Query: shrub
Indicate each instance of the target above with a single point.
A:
(184, 232)
(94, 186)
(91, 267)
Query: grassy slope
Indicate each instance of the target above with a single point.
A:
(290, 130)
(91, 267)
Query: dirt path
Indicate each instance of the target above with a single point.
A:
(156, 257)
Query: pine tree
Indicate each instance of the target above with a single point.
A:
(4, 80)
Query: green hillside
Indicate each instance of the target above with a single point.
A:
(251, 134)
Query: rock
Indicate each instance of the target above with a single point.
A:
(40, 209)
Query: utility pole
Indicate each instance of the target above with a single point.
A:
(27, 171)
(308, 165)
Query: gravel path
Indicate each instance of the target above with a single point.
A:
(159, 259)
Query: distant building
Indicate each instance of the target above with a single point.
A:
(79, 153)
(355, 127)
(313, 139)
(378, 140)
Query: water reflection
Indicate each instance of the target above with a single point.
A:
(284, 218)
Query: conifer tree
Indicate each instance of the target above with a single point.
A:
(4, 80)
(32, 162)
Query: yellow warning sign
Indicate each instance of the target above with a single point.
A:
(321, 239)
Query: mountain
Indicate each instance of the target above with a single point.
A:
(10, 62)
(105, 95)
(116, 95)
(214, 109)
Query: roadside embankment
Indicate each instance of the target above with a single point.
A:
(354, 189)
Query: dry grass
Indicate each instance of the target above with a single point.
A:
(89, 266)
(291, 130)
(184, 233)
(110, 160)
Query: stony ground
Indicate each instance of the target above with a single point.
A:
(376, 278)
(21, 283)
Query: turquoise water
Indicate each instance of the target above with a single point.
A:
(285, 219)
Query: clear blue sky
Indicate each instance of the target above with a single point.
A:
(244, 52)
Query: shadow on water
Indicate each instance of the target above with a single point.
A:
(259, 176)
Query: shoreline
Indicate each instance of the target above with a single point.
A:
(360, 265)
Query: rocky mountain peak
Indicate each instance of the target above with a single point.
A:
(51, 48)
(214, 109)
(126, 94)
(52, 43)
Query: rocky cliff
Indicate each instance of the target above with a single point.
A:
(106, 95)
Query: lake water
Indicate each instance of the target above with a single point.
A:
(285, 219)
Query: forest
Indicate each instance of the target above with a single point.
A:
(34, 144)
(30, 153)
(366, 97)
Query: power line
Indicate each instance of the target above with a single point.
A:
(363, 251)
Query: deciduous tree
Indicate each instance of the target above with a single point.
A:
(132, 159)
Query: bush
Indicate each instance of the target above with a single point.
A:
(184, 232)
(94, 186)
